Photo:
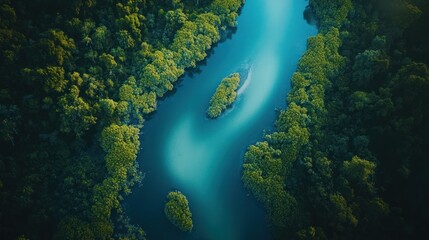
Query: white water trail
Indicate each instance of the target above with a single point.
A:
(246, 82)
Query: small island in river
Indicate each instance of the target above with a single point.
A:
(224, 96)
(177, 211)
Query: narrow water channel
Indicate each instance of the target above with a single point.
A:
(184, 150)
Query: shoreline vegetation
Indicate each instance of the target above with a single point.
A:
(348, 157)
(78, 79)
(177, 211)
(225, 95)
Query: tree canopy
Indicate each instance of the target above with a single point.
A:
(346, 158)
(224, 96)
(78, 80)
(177, 211)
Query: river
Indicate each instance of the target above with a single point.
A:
(184, 150)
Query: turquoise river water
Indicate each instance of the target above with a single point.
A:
(184, 150)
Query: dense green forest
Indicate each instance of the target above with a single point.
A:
(224, 96)
(348, 158)
(77, 80)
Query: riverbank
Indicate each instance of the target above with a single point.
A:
(182, 149)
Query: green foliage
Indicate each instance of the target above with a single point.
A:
(263, 174)
(75, 114)
(311, 233)
(360, 100)
(108, 107)
(51, 78)
(174, 21)
(177, 211)
(227, 9)
(294, 116)
(10, 117)
(78, 79)
(368, 64)
(343, 214)
(57, 46)
(399, 13)
(159, 75)
(347, 154)
(194, 38)
(296, 126)
(360, 172)
(108, 61)
(138, 103)
(119, 134)
(73, 228)
(330, 13)
(100, 38)
(224, 96)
